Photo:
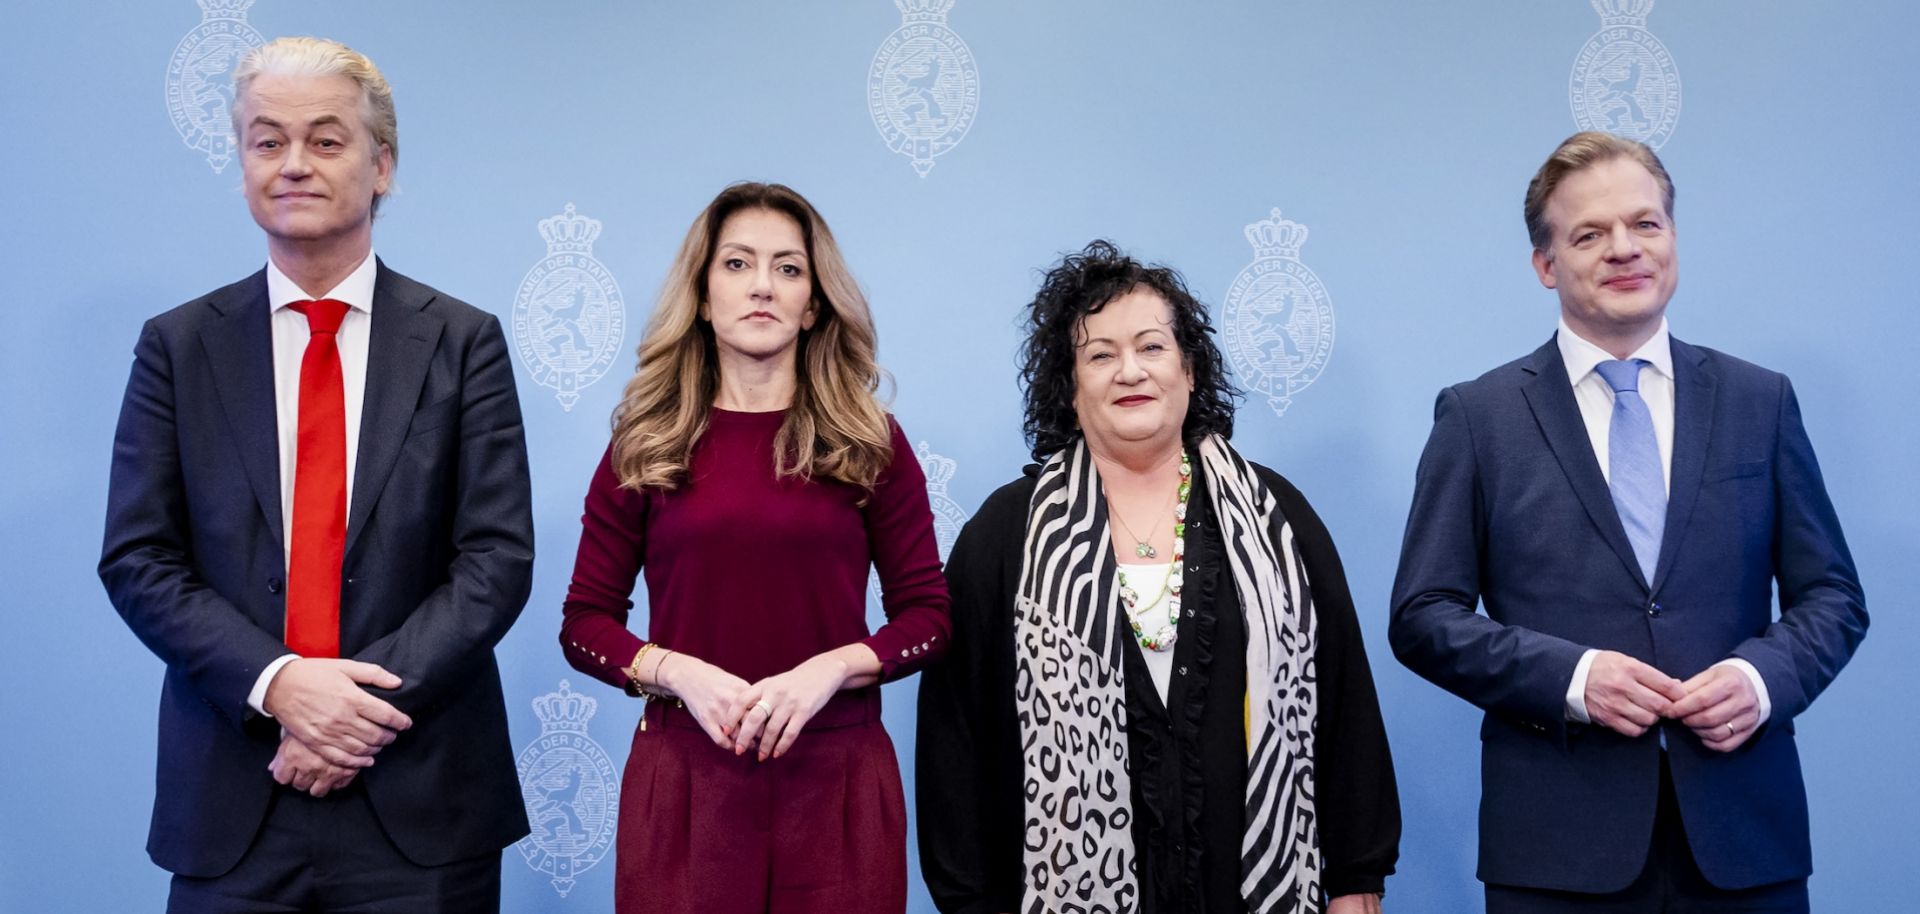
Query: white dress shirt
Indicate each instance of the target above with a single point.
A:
(290, 335)
(1595, 397)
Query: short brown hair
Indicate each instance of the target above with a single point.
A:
(1585, 150)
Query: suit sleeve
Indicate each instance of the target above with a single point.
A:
(1357, 799)
(1823, 611)
(967, 798)
(1434, 629)
(458, 624)
(147, 561)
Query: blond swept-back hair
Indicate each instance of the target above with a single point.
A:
(835, 428)
(305, 56)
(1580, 151)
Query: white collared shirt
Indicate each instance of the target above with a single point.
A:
(290, 335)
(1595, 397)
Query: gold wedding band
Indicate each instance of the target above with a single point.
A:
(763, 707)
(1730, 730)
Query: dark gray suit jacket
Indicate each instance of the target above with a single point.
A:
(1510, 510)
(438, 564)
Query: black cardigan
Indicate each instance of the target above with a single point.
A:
(1188, 759)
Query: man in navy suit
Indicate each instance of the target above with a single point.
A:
(1624, 503)
(319, 520)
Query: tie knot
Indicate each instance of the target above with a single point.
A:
(1622, 375)
(323, 316)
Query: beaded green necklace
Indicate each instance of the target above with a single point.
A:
(1162, 638)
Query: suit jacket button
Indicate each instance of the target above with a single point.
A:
(273, 585)
(1653, 609)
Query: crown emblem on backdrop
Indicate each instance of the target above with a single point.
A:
(1632, 13)
(939, 470)
(223, 9)
(570, 789)
(568, 315)
(564, 710)
(1276, 320)
(1277, 237)
(1624, 80)
(924, 10)
(199, 83)
(569, 233)
(923, 87)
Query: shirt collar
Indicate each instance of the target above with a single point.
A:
(356, 290)
(1581, 356)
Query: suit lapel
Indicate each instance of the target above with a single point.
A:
(1550, 396)
(239, 349)
(1694, 383)
(399, 349)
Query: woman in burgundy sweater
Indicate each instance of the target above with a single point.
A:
(754, 476)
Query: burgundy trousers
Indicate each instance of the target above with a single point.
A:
(820, 830)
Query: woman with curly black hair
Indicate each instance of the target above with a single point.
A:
(1156, 697)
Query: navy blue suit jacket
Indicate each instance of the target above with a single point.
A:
(438, 564)
(1510, 510)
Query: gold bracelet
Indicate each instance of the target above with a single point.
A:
(657, 664)
(634, 685)
(661, 691)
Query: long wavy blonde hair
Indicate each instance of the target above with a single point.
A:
(835, 428)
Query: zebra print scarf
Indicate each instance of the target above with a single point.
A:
(1079, 854)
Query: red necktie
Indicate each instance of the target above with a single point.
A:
(319, 489)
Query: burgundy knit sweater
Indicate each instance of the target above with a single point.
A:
(755, 574)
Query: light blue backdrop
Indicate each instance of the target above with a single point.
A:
(1400, 134)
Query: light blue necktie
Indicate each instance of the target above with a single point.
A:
(1633, 458)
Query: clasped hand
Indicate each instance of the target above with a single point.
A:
(1628, 696)
(765, 716)
(303, 769)
(330, 727)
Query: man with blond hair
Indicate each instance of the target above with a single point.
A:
(319, 520)
(1624, 505)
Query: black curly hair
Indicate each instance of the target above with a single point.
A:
(1082, 284)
